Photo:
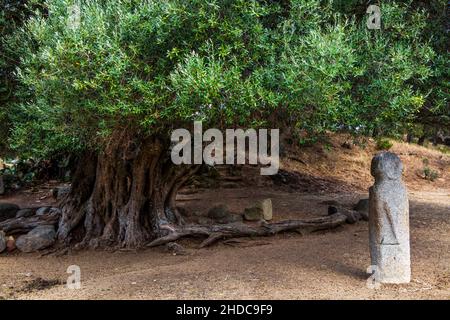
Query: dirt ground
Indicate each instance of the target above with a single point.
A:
(322, 265)
(326, 265)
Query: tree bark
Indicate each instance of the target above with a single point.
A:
(214, 233)
(25, 224)
(124, 196)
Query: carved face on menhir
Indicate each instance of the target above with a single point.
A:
(386, 165)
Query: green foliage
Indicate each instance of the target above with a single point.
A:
(151, 66)
(428, 173)
(12, 14)
(443, 149)
(383, 144)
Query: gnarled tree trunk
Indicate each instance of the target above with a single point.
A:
(123, 196)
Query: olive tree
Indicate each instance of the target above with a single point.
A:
(110, 80)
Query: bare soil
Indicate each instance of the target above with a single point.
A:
(322, 265)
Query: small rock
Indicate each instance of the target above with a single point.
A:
(43, 210)
(25, 213)
(8, 211)
(266, 205)
(39, 238)
(176, 249)
(54, 211)
(261, 210)
(2, 241)
(347, 145)
(10, 244)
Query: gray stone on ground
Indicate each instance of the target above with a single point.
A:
(389, 221)
(2, 241)
(43, 210)
(261, 210)
(176, 249)
(25, 213)
(48, 211)
(10, 244)
(54, 211)
(39, 238)
(8, 210)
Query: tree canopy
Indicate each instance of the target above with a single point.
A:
(152, 66)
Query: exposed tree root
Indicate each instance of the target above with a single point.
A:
(124, 196)
(214, 233)
(352, 215)
(23, 224)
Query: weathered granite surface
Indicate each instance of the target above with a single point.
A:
(389, 220)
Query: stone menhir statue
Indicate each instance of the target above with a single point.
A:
(389, 220)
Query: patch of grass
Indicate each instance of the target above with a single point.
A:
(444, 149)
(384, 144)
(428, 173)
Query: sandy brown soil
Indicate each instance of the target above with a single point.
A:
(324, 265)
(329, 265)
(351, 167)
